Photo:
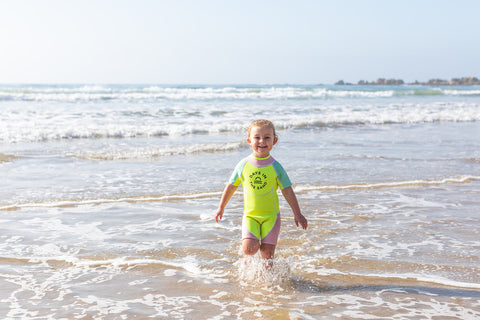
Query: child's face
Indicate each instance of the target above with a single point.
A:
(262, 140)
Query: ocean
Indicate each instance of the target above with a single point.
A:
(109, 192)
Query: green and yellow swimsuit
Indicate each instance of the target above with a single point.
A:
(260, 178)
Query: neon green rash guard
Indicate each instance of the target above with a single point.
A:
(260, 178)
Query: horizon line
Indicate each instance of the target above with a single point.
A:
(346, 83)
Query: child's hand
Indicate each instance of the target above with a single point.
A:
(219, 215)
(300, 219)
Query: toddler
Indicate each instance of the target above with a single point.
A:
(260, 175)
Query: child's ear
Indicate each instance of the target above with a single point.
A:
(275, 140)
(249, 141)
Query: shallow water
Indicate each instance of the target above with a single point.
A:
(109, 193)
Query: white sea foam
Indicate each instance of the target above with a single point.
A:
(425, 279)
(418, 278)
(154, 153)
(462, 92)
(393, 184)
(95, 93)
(68, 125)
(56, 113)
(133, 199)
(126, 93)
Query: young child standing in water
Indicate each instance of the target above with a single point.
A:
(260, 176)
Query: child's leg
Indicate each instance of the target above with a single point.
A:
(267, 251)
(250, 246)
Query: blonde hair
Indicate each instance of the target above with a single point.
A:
(262, 123)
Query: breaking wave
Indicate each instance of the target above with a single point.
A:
(78, 93)
(393, 184)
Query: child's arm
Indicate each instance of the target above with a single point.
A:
(291, 198)
(227, 194)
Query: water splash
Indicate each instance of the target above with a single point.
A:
(271, 274)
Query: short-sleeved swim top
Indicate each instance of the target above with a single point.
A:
(260, 178)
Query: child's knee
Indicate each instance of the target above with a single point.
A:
(267, 251)
(250, 246)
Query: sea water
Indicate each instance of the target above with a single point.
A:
(108, 196)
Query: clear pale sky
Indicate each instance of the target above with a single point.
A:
(237, 42)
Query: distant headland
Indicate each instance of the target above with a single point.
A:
(465, 81)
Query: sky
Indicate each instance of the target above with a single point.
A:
(237, 42)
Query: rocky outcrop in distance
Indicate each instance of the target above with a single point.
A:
(465, 81)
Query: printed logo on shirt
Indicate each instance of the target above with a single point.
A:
(258, 180)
